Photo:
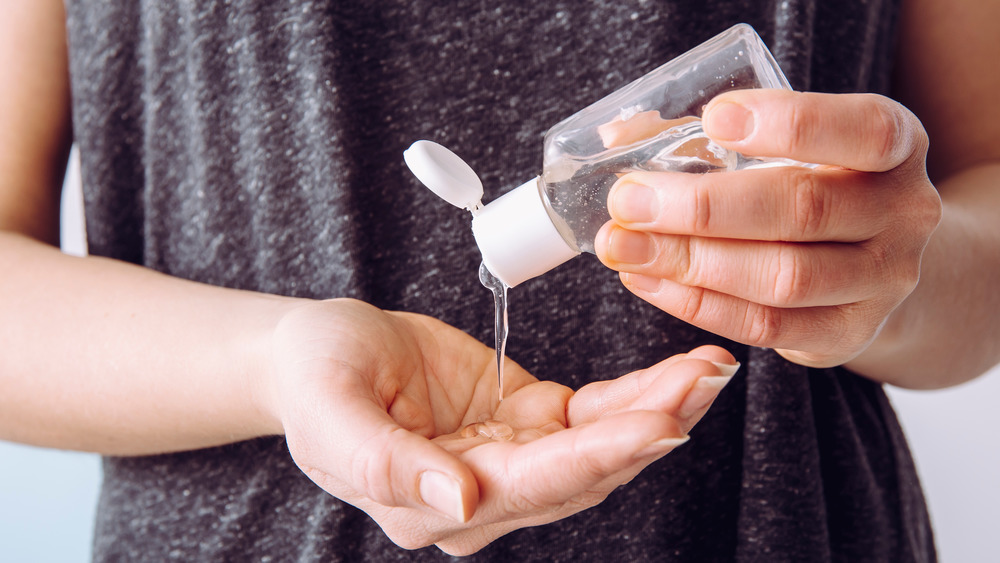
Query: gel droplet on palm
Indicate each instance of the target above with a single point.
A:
(489, 429)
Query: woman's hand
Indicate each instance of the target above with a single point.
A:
(810, 262)
(374, 405)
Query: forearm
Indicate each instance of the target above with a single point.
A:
(113, 358)
(944, 333)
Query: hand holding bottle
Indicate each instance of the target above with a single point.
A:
(809, 261)
(373, 406)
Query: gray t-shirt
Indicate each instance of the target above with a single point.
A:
(258, 145)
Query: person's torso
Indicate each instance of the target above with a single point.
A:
(258, 145)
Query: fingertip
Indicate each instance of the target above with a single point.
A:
(631, 200)
(601, 243)
(469, 488)
(664, 432)
(701, 396)
(442, 493)
(661, 447)
(727, 370)
(642, 285)
(402, 469)
(715, 354)
(728, 121)
(454, 497)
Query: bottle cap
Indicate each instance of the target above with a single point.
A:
(517, 236)
(515, 232)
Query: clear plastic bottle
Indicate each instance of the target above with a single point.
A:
(652, 124)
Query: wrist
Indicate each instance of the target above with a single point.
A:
(260, 363)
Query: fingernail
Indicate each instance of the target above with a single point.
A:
(660, 447)
(728, 121)
(634, 203)
(629, 247)
(443, 494)
(644, 284)
(702, 393)
(728, 370)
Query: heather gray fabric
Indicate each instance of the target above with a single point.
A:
(258, 145)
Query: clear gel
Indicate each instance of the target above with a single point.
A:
(499, 290)
(489, 429)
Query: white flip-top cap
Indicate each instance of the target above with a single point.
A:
(515, 233)
(445, 173)
(518, 238)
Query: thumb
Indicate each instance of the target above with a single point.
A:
(357, 452)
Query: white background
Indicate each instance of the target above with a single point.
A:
(47, 498)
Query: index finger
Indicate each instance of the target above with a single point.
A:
(662, 387)
(865, 132)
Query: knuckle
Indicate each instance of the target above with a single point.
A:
(524, 500)
(880, 260)
(841, 333)
(372, 468)
(792, 277)
(800, 125)
(685, 260)
(888, 130)
(919, 141)
(521, 503)
(693, 303)
(676, 259)
(810, 203)
(896, 270)
(761, 325)
(701, 213)
(928, 209)
(908, 276)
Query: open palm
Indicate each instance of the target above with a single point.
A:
(380, 409)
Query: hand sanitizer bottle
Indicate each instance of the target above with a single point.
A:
(652, 124)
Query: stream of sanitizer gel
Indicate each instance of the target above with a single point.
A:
(499, 290)
(486, 427)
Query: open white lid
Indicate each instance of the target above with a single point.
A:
(445, 174)
(515, 233)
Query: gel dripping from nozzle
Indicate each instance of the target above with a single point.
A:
(499, 290)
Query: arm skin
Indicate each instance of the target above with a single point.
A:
(109, 357)
(51, 300)
(947, 76)
(823, 265)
